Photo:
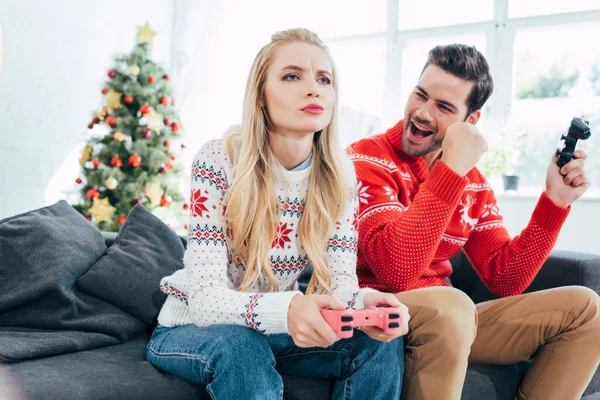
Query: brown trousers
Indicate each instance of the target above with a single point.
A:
(559, 329)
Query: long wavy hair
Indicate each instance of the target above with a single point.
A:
(252, 208)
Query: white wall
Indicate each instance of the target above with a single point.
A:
(56, 57)
(580, 231)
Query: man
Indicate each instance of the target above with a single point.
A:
(422, 200)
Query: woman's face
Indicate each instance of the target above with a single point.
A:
(299, 91)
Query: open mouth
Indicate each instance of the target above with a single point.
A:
(419, 132)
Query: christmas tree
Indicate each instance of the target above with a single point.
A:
(134, 160)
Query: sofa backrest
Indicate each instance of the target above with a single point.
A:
(463, 276)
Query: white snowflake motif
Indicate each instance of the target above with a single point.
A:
(363, 196)
(490, 209)
(389, 192)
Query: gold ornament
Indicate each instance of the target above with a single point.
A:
(154, 192)
(134, 70)
(119, 136)
(113, 100)
(101, 114)
(102, 210)
(145, 34)
(154, 121)
(111, 183)
(86, 155)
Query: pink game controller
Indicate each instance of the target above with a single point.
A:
(344, 321)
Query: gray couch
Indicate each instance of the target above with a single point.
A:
(121, 371)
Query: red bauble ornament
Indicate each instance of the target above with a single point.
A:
(186, 207)
(135, 160)
(182, 146)
(111, 73)
(163, 170)
(169, 165)
(166, 143)
(121, 219)
(96, 120)
(93, 194)
(145, 108)
(165, 101)
(111, 121)
(166, 77)
(172, 157)
(104, 91)
(166, 122)
(88, 217)
(78, 181)
(186, 226)
(96, 163)
(174, 127)
(116, 162)
(151, 79)
(166, 200)
(90, 126)
(147, 134)
(128, 99)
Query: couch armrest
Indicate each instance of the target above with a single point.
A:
(562, 268)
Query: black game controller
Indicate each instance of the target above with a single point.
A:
(580, 129)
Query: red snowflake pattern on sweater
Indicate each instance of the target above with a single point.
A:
(197, 204)
(282, 236)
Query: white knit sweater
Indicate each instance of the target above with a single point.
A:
(206, 293)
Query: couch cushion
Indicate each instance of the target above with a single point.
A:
(113, 372)
(499, 382)
(42, 254)
(128, 276)
(121, 372)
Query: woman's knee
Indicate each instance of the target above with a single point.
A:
(208, 349)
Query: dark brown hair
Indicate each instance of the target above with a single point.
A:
(467, 63)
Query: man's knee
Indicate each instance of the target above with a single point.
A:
(586, 301)
(451, 312)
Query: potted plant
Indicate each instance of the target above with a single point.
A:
(504, 159)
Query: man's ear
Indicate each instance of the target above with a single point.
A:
(473, 117)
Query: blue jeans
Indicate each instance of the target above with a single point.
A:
(236, 362)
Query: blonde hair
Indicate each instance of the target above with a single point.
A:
(252, 207)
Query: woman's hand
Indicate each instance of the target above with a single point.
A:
(306, 324)
(374, 299)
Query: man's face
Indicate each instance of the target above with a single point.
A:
(438, 100)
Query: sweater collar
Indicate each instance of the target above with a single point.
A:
(417, 164)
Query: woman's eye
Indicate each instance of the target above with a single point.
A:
(325, 80)
(291, 77)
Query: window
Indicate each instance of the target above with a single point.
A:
(362, 82)
(557, 77)
(527, 8)
(428, 14)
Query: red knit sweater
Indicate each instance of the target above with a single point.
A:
(412, 220)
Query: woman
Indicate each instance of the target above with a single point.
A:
(273, 196)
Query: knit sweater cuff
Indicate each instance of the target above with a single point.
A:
(359, 302)
(548, 215)
(272, 311)
(445, 184)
